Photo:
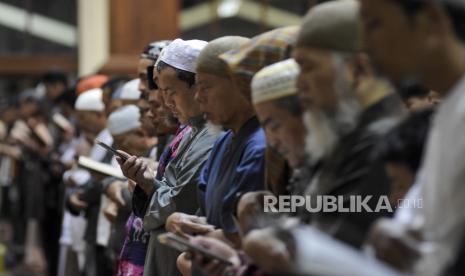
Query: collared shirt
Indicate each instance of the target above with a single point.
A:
(236, 165)
(442, 189)
(171, 151)
(176, 191)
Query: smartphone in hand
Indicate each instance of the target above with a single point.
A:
(112, 150)
(181, 244)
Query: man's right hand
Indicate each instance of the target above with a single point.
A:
(268, 251)
(138, 170)
(249, 208)
(187, 225)
(211, 267)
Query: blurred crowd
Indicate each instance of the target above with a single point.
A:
(363, 103)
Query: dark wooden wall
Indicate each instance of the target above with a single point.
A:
(133, 25)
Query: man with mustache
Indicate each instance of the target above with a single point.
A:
(348, 110)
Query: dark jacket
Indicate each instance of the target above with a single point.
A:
(351, 170)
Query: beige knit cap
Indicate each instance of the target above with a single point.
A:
(209, 60)
(332, 25)
(275, 81)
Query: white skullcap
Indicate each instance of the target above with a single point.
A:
(130, 90)
(182, 54)
(275, 81)
(90, 100)
(124, 119)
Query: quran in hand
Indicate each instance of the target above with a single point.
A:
(102, 168)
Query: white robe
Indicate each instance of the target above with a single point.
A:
(442, 188)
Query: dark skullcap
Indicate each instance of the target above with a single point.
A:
(153, 50)
(332, 25)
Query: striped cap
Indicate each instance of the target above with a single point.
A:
(261, 50)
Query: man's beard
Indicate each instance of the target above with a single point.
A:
(325, 129)
(321, 137)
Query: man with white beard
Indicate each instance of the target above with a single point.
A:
(348, 110)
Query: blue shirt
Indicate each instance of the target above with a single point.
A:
(236, 165)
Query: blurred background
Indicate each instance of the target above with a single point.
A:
(82, 37)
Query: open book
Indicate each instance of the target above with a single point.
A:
(62, 122)
(43, 135)
(320, 254)
(23, 133)
(20, 131)
(102, 168)
(11, 151)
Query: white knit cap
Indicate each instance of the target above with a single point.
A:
(275, 81)
(90, 100)
(124, 119)
(182, 54)
(130, 90)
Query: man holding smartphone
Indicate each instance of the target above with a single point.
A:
(175, 191)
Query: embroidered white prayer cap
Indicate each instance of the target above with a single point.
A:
(130, 90)
(90, 100)
(124, 119)
(275, 81)
(182, 54)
